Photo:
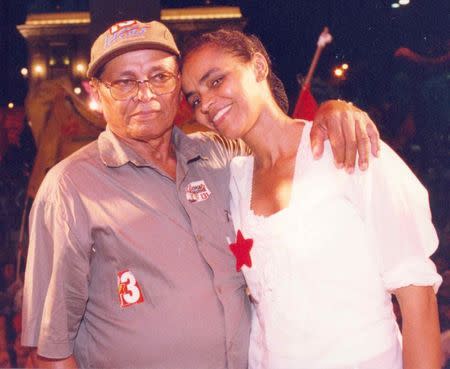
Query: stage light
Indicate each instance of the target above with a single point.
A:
(395, 5)
(93, 105)
(24, 72)
(403, 2)
(77, 90)
(338, 72)
(66, 60)
(10, 105)
(39, 70)
(80, 67)
(344, 66)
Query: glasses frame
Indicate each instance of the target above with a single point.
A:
(147, 83)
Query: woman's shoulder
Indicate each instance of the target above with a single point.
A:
(239, 164)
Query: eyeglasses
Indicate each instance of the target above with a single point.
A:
(125, 89)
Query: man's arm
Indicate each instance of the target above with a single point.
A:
(45, 363)
(349, 129)
(56, 275)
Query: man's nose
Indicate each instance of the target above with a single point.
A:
(145, 92)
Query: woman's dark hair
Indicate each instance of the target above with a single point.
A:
(243, 47)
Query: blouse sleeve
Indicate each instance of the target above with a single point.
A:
(397, 212)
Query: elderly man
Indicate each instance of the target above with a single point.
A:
(128, 264)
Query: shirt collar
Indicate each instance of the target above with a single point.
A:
(115, 153)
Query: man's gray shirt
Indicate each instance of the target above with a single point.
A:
(130, 269)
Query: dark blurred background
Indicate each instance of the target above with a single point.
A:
(366, 34)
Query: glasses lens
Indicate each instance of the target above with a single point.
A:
(163, 83)
(123, 89)
(159, 84)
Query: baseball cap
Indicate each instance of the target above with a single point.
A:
(129, 36)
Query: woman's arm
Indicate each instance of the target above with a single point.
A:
(420, 327)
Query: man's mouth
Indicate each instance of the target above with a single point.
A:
(145, 113)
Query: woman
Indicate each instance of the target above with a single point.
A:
(321, 297)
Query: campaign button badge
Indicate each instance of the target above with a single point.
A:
(197, 191)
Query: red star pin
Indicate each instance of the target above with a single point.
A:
(241, 250)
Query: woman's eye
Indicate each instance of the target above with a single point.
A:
(216, 82)
(195, 102)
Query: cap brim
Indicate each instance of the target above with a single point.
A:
(93, 68)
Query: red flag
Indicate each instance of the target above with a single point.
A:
(306, 105)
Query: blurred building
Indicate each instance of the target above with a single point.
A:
(59, 43)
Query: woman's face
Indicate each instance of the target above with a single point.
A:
(223, 90)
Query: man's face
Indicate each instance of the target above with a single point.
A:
(146, 116)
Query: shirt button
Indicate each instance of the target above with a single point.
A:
(199, 238)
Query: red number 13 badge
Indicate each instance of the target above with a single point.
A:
(129, 290)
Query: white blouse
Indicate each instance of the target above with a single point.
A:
(322, 268)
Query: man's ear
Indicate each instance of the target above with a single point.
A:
(95, 95)
(94, 89)
(261, 67)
